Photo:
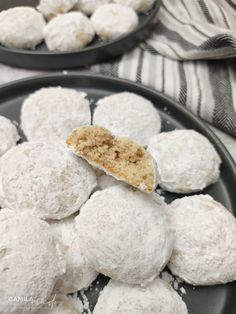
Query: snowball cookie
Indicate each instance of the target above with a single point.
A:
(21, 27)
(125, 234)
(104, 181)
(111, 21)
(205, 243)
(51, 8)
(158, 298)
(186, 160)
(79, 275)
(137, 5)
(118, 156)
(30, 261)
(88, 7)
(62, 304)
(1, 192)
(46, 180)
(68, 109)
(130, 115)
(68, 32)
(8, 135)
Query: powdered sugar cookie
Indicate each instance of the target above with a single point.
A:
(68, 109)
(118, 156)
(205, 244)
(88, 7)
(8, 135)
(21, 27)
(51, 8)
(137, 5)
(30, 262)
(187, 162)
(111, 21)
(130, 115)
(62, 304)
(104, 181)
(140, 243)
(79, 275)
(46, 180)
(68, 32)
(158, 297)
(1, 192)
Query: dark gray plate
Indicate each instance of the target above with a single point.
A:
(98, 51)
(201, 300)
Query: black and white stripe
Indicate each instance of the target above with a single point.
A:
(189, 57)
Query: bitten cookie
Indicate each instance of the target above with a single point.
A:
(117, 156)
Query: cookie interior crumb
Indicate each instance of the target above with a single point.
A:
(120, 157)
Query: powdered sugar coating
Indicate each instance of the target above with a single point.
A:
(205, 243)
(51, 8)
(62, 304)
(186, 160)
(140, 243)
(111, 21)
(137, 5)
(68, 32)
(79, 274)
(8, 135)
(88, 7)
(158, 298)
(21, 27)
(46, 180)
(104, 181)
(1, 192)
(130, 115)
(68, 109)
(30, 261)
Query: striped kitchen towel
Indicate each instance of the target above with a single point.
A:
(190, 57)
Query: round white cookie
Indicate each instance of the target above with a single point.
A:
(54, 111)
(8, 135)
(111, 21)
(186, 160)
(104, 181)
(30, 262)
(21, 27)
(68, 32)
(125, 234)
(130, 115)
(88, 7)
(51, 8)
(62, 304)
(79, 275)
(205, 243)
(2, 203)
(137, 5)
(158, 298)
(46, 180)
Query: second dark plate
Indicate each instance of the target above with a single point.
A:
(43, 59)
